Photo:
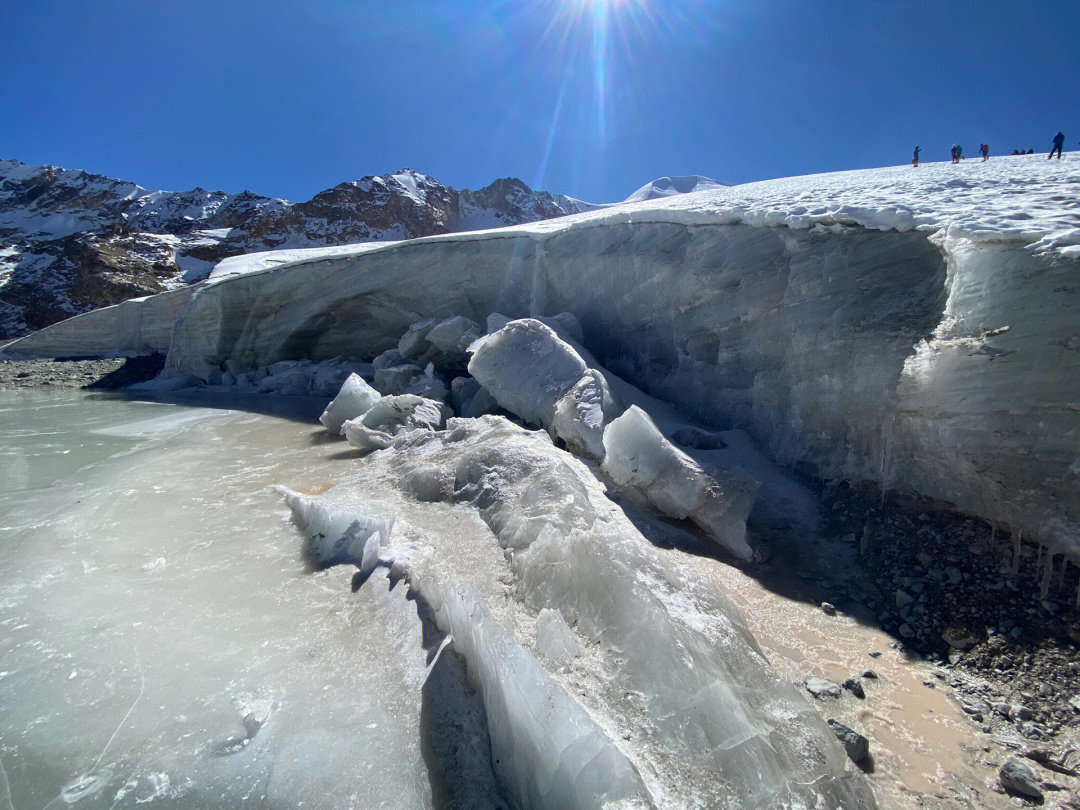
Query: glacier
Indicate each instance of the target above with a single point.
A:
(914, 328)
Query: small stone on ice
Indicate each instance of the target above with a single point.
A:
(820, 687)
(828, 609)
(853, 686)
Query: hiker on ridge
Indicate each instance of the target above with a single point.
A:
(915, 156)
(1059, 141)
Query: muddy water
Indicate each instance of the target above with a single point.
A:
(924, 748)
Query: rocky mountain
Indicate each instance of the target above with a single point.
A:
(71, 241)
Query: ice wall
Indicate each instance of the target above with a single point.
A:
(868, 355)
(944, 364)
(133, 327)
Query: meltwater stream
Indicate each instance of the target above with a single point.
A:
(159, 636)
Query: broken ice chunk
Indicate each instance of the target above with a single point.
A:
(355, 397)
(414, 341)
(527, 368)
(469, 399)
(338, 536)
(582, 412)
(396, 379)
(391, 357)
(428, 385)
(565, 325)
(450, 336)
(638, 456)
(375, 428)
(330, 375)
(496, 321)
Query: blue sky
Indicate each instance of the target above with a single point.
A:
(590, 98)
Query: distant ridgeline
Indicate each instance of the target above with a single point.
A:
(71, 241)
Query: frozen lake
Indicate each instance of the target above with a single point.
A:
(160, 638)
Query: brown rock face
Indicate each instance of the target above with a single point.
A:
(87, 271)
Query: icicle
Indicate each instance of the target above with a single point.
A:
(1047, 574)
(1017, 539)
(1061, 572)
(887, 424)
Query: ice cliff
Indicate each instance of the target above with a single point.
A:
(913, 327)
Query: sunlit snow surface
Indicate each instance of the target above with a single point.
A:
(1017, 198)
(160, 637)
(1023, 198)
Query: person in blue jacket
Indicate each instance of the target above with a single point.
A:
(1059, 141)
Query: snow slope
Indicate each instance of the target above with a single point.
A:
(670, 186)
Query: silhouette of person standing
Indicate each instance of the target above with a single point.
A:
(1059, 141)
(915, 156)
(984, 149)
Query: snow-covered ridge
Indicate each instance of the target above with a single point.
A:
(670, 186)
(1024, 198)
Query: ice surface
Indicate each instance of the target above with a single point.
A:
(663, 697)
(354, 398)
(549, 753)
(162, 645)
(554, 638)
(637, 456)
